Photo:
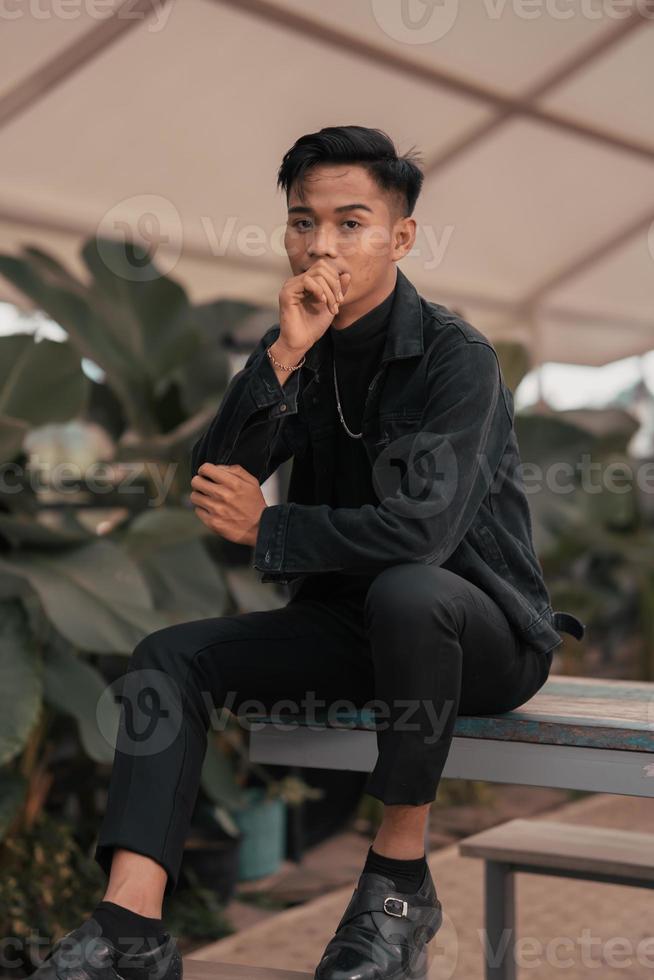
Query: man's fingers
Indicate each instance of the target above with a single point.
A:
(328, 289)
(237, 470)
(309, 285)
(329, 273)
(212, 496)
(204, 515)
(217, 472)
(202, 485)
(210, 501)
(222, 473)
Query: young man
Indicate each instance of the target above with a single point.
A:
(406, 541)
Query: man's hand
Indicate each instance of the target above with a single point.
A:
(308, 303)
(229, 501)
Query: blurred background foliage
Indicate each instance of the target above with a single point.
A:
(594, 537)
(100, 546)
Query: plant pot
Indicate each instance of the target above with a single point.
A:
(262, 823)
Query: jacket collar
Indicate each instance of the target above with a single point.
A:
(404, 335)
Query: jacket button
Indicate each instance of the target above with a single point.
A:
(267, 558)
(283, 406)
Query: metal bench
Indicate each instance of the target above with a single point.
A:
(549, 847)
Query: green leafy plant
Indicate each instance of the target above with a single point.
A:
(47, 883)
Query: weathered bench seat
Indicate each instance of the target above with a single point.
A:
(575, 733)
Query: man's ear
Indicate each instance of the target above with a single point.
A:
(404, 236)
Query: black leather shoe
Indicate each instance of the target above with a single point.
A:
(383, 933)
(85, 954)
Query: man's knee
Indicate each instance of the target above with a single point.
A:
(409, 592)
(164, 649)
(399, 586)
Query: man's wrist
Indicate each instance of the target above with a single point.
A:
(287, 355)
(286, 360)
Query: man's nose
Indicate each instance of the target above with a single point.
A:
(322, 244)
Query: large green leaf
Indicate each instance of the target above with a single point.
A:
(20, 679)
(161, 527)
(40, 381)
(204, 377)
(94, 595)
(151, 305)
(75, 687)
(167, 544)
(13, 587)
(97, 328)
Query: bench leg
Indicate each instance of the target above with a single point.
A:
(500, 921)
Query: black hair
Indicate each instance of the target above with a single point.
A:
(372, 148)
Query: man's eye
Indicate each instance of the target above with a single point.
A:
(301, 224)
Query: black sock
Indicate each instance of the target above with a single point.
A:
(127, 930)
(407, 875)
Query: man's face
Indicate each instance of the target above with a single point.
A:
(362, 240)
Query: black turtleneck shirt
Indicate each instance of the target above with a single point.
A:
(357, 351)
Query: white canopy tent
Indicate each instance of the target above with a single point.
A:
(534, 121)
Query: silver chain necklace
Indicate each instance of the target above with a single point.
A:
(354, 435)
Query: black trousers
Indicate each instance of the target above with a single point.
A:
(418, 647)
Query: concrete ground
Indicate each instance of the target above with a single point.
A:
(569, 929)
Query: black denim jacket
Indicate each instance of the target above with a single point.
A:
(438, 430)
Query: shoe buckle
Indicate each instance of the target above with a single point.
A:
(395, 906)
